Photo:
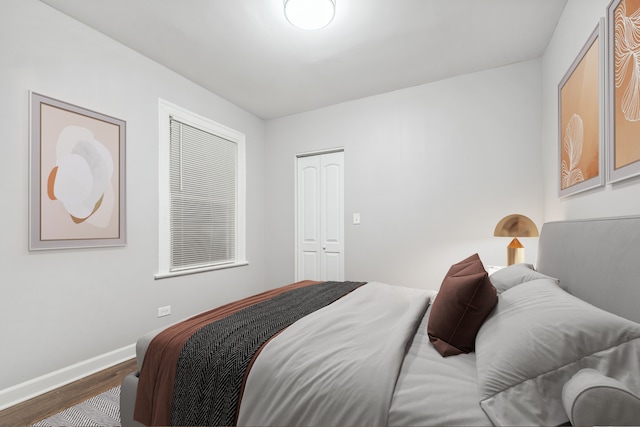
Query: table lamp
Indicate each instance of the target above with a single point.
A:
(515, 226)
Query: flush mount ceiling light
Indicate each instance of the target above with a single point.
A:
(309, 14)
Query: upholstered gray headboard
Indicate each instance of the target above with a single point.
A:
(597, 260)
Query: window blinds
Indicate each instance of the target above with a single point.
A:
(203, 198)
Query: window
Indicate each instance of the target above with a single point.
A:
(202, 187)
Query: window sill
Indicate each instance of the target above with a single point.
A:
(169, 274)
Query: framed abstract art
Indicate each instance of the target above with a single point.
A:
(77, 176)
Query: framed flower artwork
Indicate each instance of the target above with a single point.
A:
(581, 120)
(623, 19)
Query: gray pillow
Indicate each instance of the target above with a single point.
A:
(535, 340)
(514, 275)
(592, 399)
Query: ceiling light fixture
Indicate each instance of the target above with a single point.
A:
(309, 14)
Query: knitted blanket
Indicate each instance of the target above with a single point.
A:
(214, 360)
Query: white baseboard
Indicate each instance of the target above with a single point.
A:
(40, 385)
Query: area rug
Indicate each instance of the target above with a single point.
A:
(102, 410)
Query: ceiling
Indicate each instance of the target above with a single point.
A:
(247, 52)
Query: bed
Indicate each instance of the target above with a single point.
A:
(550, 345)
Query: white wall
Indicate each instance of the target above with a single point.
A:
(64, 307)
(578, 20)
(431, 169)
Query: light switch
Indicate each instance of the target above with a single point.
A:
(356, 218)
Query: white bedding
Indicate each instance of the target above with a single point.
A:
(435, 390)
(337, 366)
(537, 338)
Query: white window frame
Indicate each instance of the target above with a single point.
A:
(167, 110)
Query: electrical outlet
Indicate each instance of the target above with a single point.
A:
(164, 311)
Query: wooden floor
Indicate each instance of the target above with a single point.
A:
(41, 407)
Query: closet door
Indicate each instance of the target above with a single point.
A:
(320, 217)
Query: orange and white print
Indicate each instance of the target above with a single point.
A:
(579, 121)
(627, 82)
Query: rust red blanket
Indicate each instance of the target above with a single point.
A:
(159, 371)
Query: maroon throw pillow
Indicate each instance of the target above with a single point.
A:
(472, 260)
(465, 299)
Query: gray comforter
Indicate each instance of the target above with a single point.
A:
(337, 366)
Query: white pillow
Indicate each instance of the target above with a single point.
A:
(592, 399)
(514, 275)
(535, 340)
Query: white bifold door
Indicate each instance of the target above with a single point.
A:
(320, 217)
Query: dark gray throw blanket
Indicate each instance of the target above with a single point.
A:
(212, 365)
